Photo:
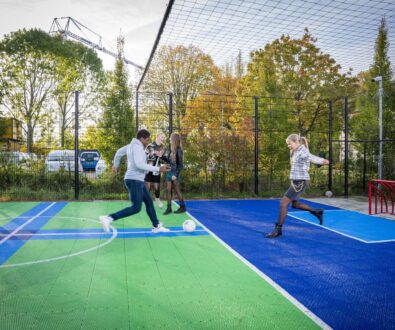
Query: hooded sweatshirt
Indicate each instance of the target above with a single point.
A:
(137, 161)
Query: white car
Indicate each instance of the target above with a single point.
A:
(61, 159)
(18, 158)
(101, 166)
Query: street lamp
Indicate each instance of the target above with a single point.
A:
(380, 80)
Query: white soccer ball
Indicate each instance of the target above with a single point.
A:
(329, 194)
(189, 225)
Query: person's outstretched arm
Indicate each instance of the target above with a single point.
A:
(117, 158)
(318, 160)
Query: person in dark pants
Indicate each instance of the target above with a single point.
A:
(155, 151)
(300, 165)
(134, 182)
(173, 177)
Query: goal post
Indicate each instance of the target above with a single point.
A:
(381, 196)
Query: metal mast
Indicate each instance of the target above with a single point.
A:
(64, 30)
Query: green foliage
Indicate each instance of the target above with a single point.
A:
(294, 80)
(117, 127)
(81, 70)
(37, 66)
(365, 123)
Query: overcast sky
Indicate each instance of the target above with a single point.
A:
(139, 21)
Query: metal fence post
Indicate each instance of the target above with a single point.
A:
(76, 162)
(346, 146)
(137, 110)
(170, 113)
(364, 167)
(256, 183)
(330, 156)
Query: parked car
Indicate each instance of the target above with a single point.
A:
(101, 166)
(17, 158)
(61, 159)
(89, 160)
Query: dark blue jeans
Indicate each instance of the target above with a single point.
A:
(138, 194)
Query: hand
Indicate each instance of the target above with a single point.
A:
(173, 178)
(164, 168)
(326, 162)
(115, 169)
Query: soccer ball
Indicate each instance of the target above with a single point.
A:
(329, 194)
(189, 225)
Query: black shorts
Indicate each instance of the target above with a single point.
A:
(150, 177)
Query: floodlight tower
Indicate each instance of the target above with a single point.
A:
(379, 79)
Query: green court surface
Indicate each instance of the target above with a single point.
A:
(153, 282)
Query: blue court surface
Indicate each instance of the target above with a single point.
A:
(331, 269)
(355, 225)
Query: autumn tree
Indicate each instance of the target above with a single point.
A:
(298, 70)
(184, 71)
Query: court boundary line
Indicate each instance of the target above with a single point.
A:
(261, 274)
(26, 223)
(292, 214)
(114, 235)
(100, 233)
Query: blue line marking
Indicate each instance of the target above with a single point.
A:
(24, 217)
(11, 244)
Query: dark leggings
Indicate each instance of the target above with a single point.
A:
(176, 185)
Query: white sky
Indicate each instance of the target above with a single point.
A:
(139, 21)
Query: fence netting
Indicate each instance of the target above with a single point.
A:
(234, 146)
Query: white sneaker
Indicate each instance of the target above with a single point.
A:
(106, 221)
(159, 202)
(160, 229)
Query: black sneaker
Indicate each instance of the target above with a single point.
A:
(277, 232)
(182, 209)
(319, 213)
(168, 211)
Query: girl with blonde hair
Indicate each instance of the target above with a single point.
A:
(300, 165)
(173, 177)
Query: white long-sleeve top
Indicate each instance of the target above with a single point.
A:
(137, 161)
(300, 163)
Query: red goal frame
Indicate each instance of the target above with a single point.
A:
(381, 196)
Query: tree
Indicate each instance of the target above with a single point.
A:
(117, 126)
(81, 70)
(28, 59)
(184, 71)
(365, 124)
(298, 70)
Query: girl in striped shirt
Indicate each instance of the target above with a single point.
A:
(300, 165)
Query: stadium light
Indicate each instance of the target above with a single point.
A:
(379, 79)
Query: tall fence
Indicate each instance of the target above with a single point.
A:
(234, 146)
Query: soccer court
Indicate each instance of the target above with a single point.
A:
(59, 269)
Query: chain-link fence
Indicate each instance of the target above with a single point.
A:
(234, 146)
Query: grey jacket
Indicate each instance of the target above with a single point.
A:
(137, 161)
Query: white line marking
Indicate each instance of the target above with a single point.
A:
(292, 214)
(26, 223)
(114, 235)
(99, 233)
(295, 302)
